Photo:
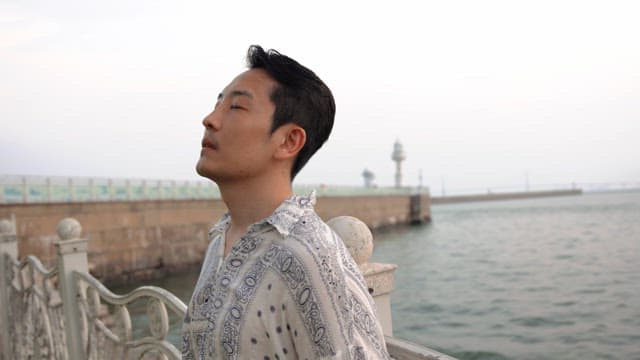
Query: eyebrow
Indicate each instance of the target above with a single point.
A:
(237, 93)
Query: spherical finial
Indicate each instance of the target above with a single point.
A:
(356, 236)
(69, 228)
(6, 227)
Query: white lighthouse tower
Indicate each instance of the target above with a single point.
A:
(398, 156)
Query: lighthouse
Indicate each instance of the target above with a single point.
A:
(398, 156)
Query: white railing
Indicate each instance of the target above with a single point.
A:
(110, 334)
(65, 313)
(41, 189)
(51, 189)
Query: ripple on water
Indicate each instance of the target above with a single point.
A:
(454, 324)
(571, 339)
(479, 355)
(565, 303)
(618, 339)
(523, 339)
(598, 329)
(424, 308)
(591, 291)
(539, 289)
(415, 327)
(539, 321)
(499, 301)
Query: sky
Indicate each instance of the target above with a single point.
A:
(482, 94)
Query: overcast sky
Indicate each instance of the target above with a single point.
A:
(480, 93)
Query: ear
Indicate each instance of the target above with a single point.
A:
(291, 140)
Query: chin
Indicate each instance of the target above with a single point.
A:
(202, 170)
(208, 172)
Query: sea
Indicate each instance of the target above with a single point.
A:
(543, 278)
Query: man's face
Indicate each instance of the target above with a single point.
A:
(237, 142)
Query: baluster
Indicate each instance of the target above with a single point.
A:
(92, 190)
(72, 192)
(145, 190)
(199, 190)
(72, 257)
(129, 190)
(174, 189)
(49, 192)
(110, 189)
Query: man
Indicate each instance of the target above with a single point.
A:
(276, 282)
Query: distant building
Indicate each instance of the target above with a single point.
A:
(368, 176)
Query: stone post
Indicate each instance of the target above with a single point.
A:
(72, 257)
(379, 277)
(8, 246)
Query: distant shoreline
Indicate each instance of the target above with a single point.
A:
(436, 200)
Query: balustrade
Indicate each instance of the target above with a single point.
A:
(65, 313)
(39, 189)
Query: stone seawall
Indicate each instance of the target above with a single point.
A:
(139, 240)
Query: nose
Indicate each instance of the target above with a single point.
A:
(212, 121)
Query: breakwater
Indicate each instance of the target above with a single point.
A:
(144, 239)
(502, 196)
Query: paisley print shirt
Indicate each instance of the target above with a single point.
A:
(288, 289)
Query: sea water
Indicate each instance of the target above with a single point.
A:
(546, 278)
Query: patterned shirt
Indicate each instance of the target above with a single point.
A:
(288, 289)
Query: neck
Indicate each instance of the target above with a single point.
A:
(251, 200)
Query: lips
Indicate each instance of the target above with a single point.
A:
(208, 143)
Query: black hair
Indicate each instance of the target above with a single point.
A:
(300, 98)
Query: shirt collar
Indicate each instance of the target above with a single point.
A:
(282, 219)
